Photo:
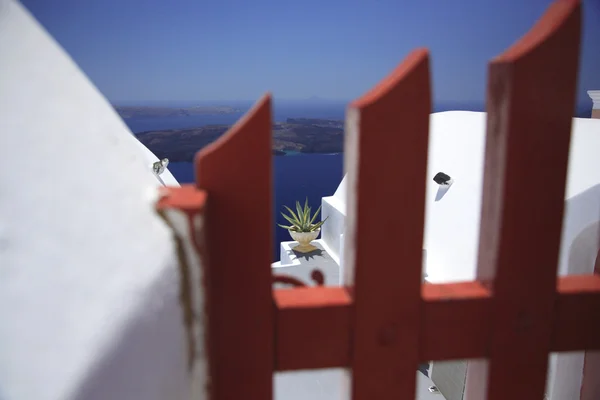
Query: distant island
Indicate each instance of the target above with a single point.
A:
(143, 111)
(301, 135)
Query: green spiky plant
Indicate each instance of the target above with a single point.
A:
(301, 220)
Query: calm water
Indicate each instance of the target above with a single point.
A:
(280, 114)
(295, 177)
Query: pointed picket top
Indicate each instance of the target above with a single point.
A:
(560, 19)
(247, 129)
(401, 100)
(386, 160)
(235, 172)
(390, 85)
(530, 101)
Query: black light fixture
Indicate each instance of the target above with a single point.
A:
(442, 179)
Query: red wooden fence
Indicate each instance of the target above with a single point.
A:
(384, 321)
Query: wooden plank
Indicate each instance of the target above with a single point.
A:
(576, 326)
(313, 328)
(235, 171)
(313, 323)
(386, 160)
(455, 322)
(527, 150)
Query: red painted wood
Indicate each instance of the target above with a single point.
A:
(235, 171)
(455, 321)
(386, 159)
(313, 328)
(186, 198)
(531, 94)
(590, 387)
(576, 326)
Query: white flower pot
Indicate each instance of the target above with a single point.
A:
(304, 238)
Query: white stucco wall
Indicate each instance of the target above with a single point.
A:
(457, 144)
(456, 147)
(89, 283)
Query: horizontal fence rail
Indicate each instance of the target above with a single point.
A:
(455, 322)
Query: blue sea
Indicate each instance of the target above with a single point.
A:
(295, 176)
(298, 177)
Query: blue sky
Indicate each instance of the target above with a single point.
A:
(182, 50)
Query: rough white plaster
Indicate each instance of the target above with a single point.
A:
(89, 281)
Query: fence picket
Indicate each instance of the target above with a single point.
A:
(235, 171)
(527, 151)
(386, 160)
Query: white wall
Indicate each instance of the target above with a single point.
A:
(457, 140)
(89, 282)
(334, 209)
(333, 229)
(456, 147)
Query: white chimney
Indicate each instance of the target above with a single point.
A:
(595, 96)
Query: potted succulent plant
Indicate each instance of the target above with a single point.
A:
(303, 229)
